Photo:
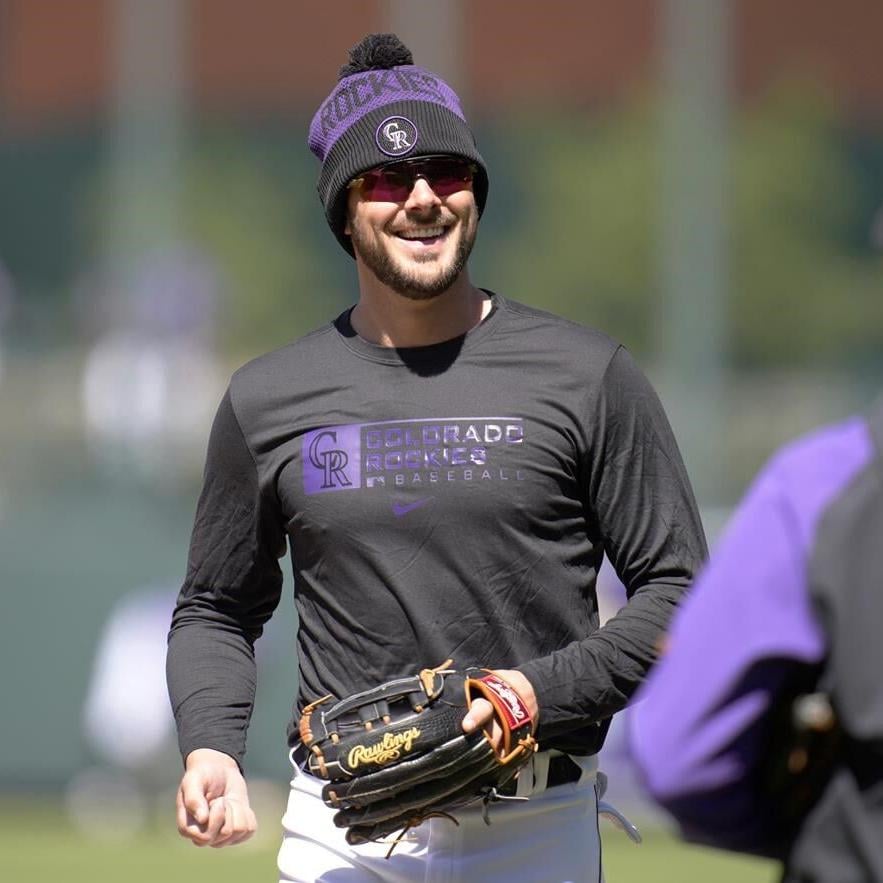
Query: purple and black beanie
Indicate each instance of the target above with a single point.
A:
(384, 108)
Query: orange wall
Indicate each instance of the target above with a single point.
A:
(584, 51)
(271, 56)
(54, 60)
(840, 42)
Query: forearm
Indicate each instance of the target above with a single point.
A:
(590, 680)
(212, 680)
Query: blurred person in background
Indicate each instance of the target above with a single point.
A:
(761, 729)
(127, 723)
(159, 317)
(126, 716)
(415, 534)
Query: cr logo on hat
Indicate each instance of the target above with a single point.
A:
(396, 136)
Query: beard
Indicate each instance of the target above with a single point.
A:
(394, 272)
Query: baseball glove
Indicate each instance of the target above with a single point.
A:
(396, 754)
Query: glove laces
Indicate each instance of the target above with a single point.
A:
(419, 820)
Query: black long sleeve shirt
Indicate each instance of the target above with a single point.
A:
(453, 500)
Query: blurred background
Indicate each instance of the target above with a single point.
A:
(701, 179)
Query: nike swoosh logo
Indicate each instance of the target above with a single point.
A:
(400, 509)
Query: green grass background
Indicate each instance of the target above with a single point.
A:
(39, 845)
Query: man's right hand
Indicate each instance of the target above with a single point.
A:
(212, 803)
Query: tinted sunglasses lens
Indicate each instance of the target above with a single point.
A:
(387, 185)
(448, 176)
(394, 183)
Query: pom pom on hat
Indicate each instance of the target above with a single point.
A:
(376, 52)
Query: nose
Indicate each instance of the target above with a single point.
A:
(421, 197)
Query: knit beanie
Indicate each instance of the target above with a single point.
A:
(384, 108)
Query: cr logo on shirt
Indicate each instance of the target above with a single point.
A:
(330, 461)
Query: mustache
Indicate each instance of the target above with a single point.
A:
(435, 214)
(433, 218)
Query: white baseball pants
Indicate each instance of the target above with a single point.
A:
(550, 838)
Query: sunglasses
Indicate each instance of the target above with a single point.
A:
(394, 183)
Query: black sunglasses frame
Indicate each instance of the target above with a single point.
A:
(469, 168)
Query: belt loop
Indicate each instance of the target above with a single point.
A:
(540, 769)
(589, 767)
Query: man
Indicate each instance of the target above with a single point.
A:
(448, 467)
(761, 730)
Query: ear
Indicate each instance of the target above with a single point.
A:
(351, 200)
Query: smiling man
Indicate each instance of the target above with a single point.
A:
(448, 468)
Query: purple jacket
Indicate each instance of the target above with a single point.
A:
(748, 625)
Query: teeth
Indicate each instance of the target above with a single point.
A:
(425, 233)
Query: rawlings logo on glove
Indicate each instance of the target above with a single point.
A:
(391, 747)
(397, 754)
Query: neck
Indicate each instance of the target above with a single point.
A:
(387, 318)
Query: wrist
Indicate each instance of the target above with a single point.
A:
(525, 690)
(209, 755)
